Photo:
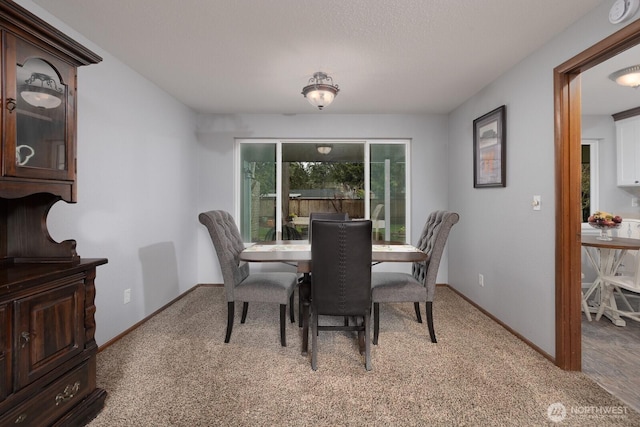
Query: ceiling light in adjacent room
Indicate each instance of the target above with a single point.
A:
(629, 76)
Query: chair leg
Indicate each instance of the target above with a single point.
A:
(304, 296)
(305, 329)
(293, 318)
(230, 313)
(416, 305)
(432, 333)
(283, 319)
(314, 340)
(367, 341)
(245, 309)
(299, 305)
(376, 322)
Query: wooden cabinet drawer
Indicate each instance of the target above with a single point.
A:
(53, 402)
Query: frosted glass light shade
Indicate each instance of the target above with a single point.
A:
(629, 76)
(324, 149)
(320, 97)
(40, 99)
(320, 91)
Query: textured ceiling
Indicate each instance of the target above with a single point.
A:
(600, 95)
(254, 56)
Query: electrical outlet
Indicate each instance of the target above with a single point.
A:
(481, 280)
(634, 202)
(127, 296)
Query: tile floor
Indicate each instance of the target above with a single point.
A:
(611, 356)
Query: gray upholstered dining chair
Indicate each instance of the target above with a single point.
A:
(239, 284)
(420, 286)
(341, 279)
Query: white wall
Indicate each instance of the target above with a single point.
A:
(137, 193)
(216, 135)
(612, 198)
(500, 235)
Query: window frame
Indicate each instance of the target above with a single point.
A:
(367, 142)
(594, 172)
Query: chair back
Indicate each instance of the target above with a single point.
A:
(288, 233)
(629, 228)
(327, 216)
(432, 241)
(228, 243)
(635, 276)
(377, 222)
(341, 262)
(376, 211)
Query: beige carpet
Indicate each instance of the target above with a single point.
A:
(175, 370)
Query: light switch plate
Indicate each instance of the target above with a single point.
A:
(536, 203)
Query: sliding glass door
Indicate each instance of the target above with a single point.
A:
(283, 181)
(258, 179)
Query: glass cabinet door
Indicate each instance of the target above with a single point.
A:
(38, 108)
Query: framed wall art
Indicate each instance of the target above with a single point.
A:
(489, 149)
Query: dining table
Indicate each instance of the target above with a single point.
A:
(298, 253)
(606, 257)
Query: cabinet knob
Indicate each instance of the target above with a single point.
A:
(11, 104)
(25, 337)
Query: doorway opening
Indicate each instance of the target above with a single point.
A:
(568, 190)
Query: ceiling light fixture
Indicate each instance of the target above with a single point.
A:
(320, 91)
(324, 148)
(46, 95)
(629, 76)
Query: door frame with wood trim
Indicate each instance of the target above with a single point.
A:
(567, 122)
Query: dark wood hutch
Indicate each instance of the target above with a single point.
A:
(47, 346)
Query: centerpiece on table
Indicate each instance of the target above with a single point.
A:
(604, 221)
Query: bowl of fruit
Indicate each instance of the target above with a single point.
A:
(604, 221)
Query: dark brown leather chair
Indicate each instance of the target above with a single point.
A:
(327, 216)
(304, 296)
(341, 279)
